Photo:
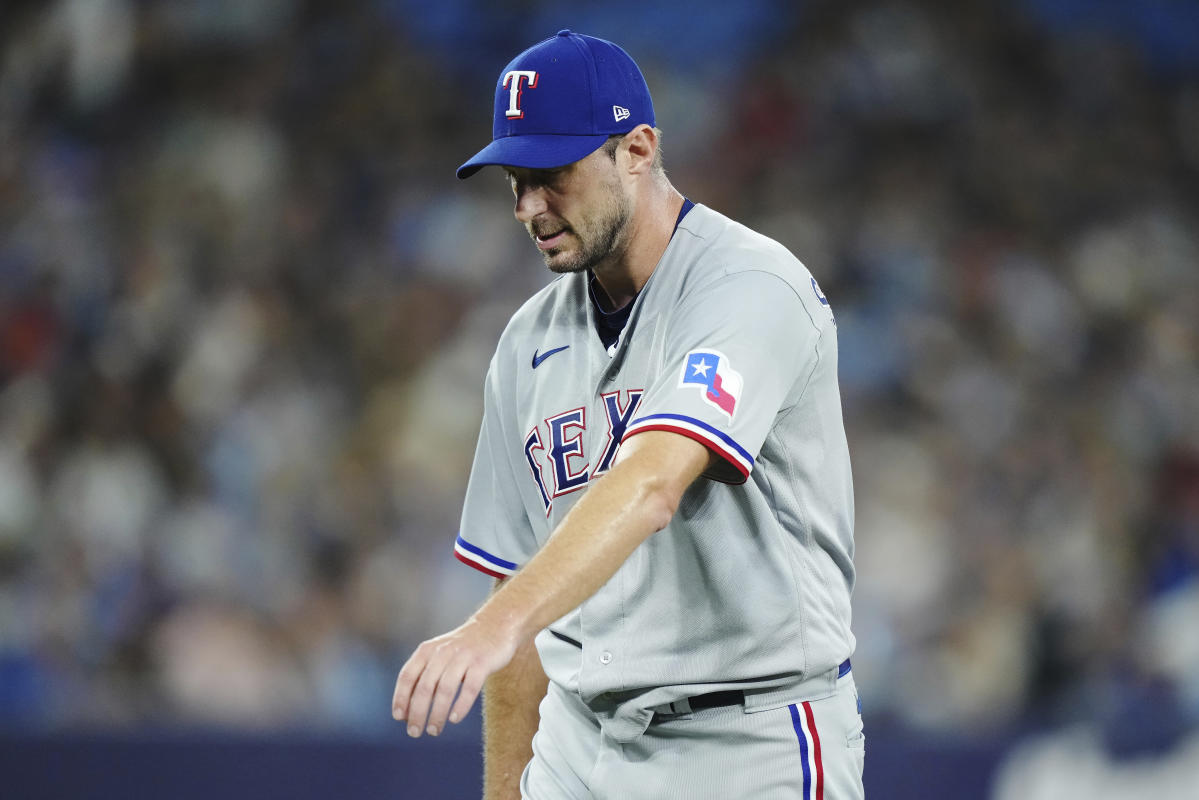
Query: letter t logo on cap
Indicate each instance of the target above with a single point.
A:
(514, 89)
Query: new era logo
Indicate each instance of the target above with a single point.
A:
(620, 112)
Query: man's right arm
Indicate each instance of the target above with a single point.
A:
(511, 698)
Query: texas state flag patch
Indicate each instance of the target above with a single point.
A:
(710, 371)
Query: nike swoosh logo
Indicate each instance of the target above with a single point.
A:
(537, 359)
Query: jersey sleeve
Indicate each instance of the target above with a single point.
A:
(495, 536)
(732, 356)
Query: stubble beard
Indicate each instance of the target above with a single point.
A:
(606, 240)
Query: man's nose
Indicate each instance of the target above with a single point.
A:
(530, 201)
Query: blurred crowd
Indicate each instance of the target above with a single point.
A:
(246, 309)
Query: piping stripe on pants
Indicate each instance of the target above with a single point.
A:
(809, 750)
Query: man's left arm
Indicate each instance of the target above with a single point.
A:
(618, 512)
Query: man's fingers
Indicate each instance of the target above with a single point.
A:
(422, 694)
(405, 682)
(447, 687)
(472, 684)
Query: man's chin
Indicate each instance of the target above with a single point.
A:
(562, 261)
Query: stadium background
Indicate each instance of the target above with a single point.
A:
(245, 311)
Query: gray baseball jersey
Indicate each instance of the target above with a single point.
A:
(731, 343)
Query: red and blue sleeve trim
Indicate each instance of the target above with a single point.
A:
(716, 440)
(481, 560)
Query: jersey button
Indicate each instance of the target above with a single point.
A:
(605, 657)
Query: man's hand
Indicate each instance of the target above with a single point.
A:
(465, 657)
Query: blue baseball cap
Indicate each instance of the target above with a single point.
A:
(560, 100)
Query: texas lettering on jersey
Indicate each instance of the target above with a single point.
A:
(555, 448)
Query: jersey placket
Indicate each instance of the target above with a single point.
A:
(602, 616)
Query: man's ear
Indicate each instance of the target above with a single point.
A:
(641, 144)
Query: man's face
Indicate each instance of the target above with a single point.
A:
(576, 214)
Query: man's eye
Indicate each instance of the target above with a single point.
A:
(536, 178)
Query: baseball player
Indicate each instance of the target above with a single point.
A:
(661, 486)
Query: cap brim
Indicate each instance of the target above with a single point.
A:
(533, 151)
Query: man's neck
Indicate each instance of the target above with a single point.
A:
(648, 235)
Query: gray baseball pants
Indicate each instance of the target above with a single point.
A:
(807, 750)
